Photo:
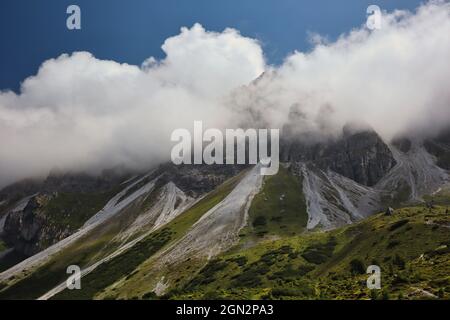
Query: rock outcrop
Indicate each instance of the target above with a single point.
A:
(361, 156)
(440, 148)
(29, 230)
(27, 225)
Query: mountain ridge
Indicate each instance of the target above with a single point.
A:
(158, 219)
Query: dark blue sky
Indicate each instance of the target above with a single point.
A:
(131, 31)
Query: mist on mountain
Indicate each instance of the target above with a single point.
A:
(83, 113)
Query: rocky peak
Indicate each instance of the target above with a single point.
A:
(359, 155)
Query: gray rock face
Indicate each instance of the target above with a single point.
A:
(26, 227)
(440, 148)
(402, 143)
(195, 180)
(28, 230)
(362, 156)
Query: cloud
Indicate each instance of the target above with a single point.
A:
(394, 80)
(82, 113)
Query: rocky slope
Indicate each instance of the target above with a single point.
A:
(151, 233)
(62, 203)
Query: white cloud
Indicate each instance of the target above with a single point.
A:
(84, 113)
(394, 79)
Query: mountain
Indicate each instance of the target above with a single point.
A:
(360, 156)
(189, 231)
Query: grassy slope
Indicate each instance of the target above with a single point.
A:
(72, 210)
(66, 210)
(82, 252)
(442, 197)
(411, 247)
(278, 210)
(281, 192)
(2, 246)
(272, 261)
(99, 243)
(124, 264)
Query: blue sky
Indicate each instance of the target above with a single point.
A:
(131, 31)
